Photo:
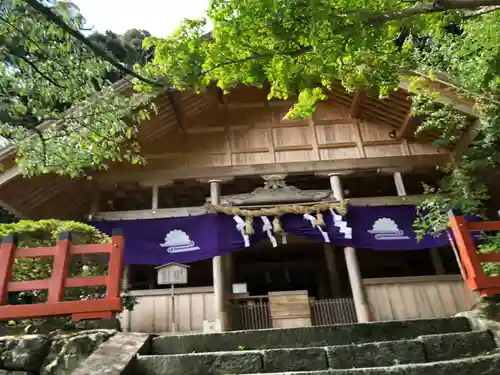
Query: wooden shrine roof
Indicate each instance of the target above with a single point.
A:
(187, 112)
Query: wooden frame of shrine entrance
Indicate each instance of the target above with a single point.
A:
(471, 260)
(104, 308)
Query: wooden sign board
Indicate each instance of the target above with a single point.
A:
(172, 274)
(290, 309)
(240, 288)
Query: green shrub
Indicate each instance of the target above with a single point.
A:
(490, 244)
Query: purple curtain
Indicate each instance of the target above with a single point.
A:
(194, 238)
(388, 228)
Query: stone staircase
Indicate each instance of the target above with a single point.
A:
(415, 347)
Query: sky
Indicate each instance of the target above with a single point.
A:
(159, 17)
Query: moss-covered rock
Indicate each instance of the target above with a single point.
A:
(68, 350)
(25, 353)
(485, 315)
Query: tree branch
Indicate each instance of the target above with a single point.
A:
(258, 56)
(434, 7)
(98, 51)
(482, 12)
(42, 74)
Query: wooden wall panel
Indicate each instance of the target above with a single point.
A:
(330, 111)
(383, 150)
(252, 158)
(248, 133)
(152, 312)
(419, 297)
(209, 160)
(371, 131)
(339, 153)
(422, 148)
(250, 140)
(293, 156)
(335, 133)
(207, 142)
(291, 137)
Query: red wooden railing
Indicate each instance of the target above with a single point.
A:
(471, 260)
(104, 308)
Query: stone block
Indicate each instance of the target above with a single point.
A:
(375, 354)
(25, 353)
(222, 363)
(304, 359)
(307, 336)
(457, 345)
(69, 350)
(486, 365)
(116, 356)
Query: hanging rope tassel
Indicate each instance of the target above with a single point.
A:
(249, 226)
(277, 228)
(319, 219)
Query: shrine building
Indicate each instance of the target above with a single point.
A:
(282, 223)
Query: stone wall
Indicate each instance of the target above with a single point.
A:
(57, 352)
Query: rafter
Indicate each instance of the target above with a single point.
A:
(173, 99)
(408, 128)
(356, 104)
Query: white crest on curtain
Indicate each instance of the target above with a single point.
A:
(268, 228)
(240, 226)
(341, 224)
(312, 220)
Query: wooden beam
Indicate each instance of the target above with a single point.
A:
(9, 175)
(12, 210)
(152, 214)
(408, 128)
(200, 210)
(447, 96)
(173, 99)
(467, 138)
(414, 161)
(356, 104)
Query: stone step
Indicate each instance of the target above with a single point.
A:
(423, 349)
(307, 336)
(483, 365)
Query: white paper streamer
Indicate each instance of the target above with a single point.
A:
(267, 227)
(341, 224)
(312, 220)
(240, 226)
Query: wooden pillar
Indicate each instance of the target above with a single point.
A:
(358, 292)
(218, 269)
(400, 186)
(437, 262)
(95, 198)
(154, 200)
(355, 280)
(331, 266)
(229, 280)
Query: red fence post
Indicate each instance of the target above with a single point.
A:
(60, 267)
(115, 267)
(84, 309)
(7, 250)
(476, 277)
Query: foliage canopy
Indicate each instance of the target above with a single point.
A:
(44, 71)
(295, 47)
(301, 47)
